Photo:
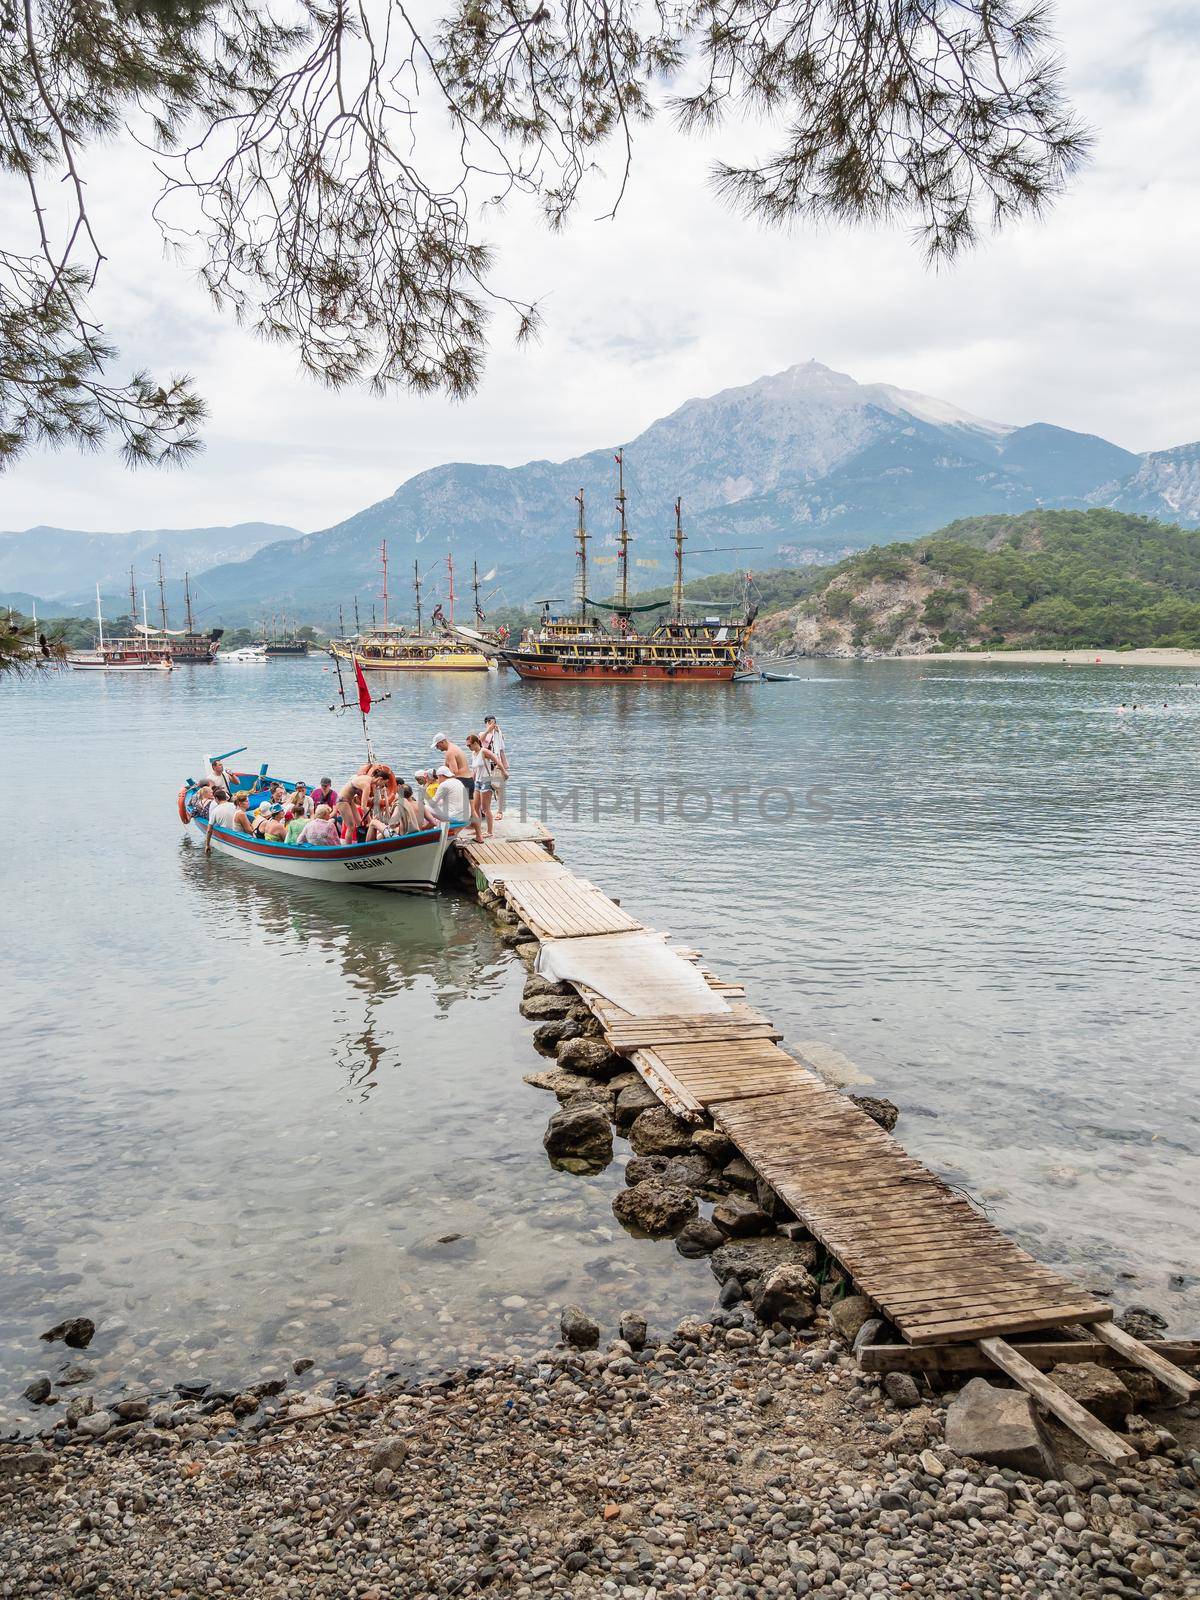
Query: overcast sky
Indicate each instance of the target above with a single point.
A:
(1089, 319)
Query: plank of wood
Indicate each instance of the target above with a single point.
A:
(969, 1358)
(1144, 1355)
(929, 1330)
(632, 1032)
(1118, 1452)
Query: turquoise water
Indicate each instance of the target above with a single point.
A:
(236, 1108)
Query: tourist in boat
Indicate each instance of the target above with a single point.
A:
(350, 816)
(454, 758)
(392, 816)
(227, 813)
(301, 801)
(275, 829)
(321, 829)
(218, 776)
(324, 795)
(493, 743)
(262, 815)
(295, 827)
(200, 801)
(482, 764)
(452, 802)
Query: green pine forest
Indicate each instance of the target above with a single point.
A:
(1043, 579)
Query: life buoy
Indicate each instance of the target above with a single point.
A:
(183, 810)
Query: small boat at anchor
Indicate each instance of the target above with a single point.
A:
(410, 861)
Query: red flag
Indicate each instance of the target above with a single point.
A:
(364, 694)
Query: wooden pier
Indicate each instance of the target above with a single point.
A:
(944, 1275)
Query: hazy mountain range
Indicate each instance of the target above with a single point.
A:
(801, 466)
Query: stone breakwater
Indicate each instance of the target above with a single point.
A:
(718, 1461)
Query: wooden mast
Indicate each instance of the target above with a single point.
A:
(450, 570)
(162, 595)
(581, 540)
(417, 592)
(132, 602)
(475, 586)
(187, 601)
(383, 554)
(623, 536)
(680, 536)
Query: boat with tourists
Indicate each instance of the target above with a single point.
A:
(398, 649)
(139, 653)
(410, 861)
(586, 649)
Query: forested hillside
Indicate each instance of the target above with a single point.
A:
(1044, 579)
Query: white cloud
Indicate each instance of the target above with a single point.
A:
(1087, 319)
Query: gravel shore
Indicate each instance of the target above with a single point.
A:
(721, 1461)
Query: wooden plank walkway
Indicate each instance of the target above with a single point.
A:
(566, 908)
(935, 1266)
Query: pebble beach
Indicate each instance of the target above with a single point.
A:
(714, 1459)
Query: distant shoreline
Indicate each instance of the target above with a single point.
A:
(1151, 657)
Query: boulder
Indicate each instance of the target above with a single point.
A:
(901, 1389)
(746, 1259)
(739, 1174)
(535, 984)
(881, 1111)
(546, 1007)
(633, 1329)
(639, 1168)
(787, 1294)
(999, 1426)
(632, 1100)
(563, 1085)
(712, 1144)
(1097, 1389)
(849, 1313)
(654, 1208)
(579, 1137)
(590, 1056)
(549, 1035)
(740, 1217)
(82, 1406)
(132, 1410)
(1143, 1391)
(75, 1331)
(1140, 1322)
(692, 1171)
(37, 1392)
(95, 1425)
(658, 1133)
(778, 1210)
(871, 1332)
(699, 1237)
(578, 1329)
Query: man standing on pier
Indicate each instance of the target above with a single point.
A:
(455, 759)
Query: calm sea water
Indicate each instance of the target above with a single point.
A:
(236, 1109)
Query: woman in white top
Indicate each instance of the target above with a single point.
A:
(482, 764)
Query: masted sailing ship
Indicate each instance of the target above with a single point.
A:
(399, 649)
(189, 646)
(586, 649)
(143, 653)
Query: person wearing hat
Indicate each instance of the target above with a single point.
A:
(262, 815)
(454, 758)
(452, 803)
(275, 829)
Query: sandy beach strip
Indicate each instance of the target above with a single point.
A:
(1062, 658)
